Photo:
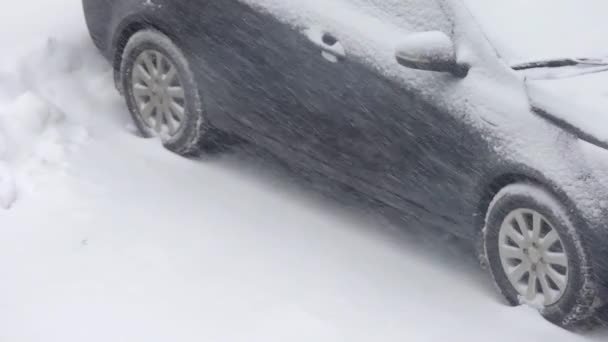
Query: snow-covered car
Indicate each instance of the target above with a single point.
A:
(481, 118)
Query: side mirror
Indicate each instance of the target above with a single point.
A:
(430, 51)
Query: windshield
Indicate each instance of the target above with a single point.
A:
(533, 30)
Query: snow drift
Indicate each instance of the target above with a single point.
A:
(35, 134)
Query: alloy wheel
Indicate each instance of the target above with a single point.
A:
(158, 93)
(533, 257)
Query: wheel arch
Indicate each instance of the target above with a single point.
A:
(532, 177)
(491, 189)
(499, 181)
(502, 180)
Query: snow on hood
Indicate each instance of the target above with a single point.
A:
(579, 104)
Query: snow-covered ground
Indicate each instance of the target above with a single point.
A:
(110, 238)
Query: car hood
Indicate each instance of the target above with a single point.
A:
(574, 100)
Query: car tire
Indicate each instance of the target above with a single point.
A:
(169, 86)
(554, 256)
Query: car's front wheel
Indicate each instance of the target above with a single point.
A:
(162, 94)
(537, 257)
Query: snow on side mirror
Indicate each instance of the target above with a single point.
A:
(430, 51)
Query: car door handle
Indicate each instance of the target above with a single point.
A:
(331, 48)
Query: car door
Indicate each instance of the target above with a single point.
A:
(311, 91)
(379, 129)
(405, 151)
(265, 72)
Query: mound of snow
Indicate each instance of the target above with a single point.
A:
(35, 135)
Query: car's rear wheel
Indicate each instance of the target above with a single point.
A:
(537, 257)
(162, 94)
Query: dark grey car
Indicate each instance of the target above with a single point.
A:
(407, 102)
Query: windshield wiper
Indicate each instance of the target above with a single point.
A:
(558, 63)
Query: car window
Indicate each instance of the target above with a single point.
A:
(412, 15)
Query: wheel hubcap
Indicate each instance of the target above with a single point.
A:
(533, 257)
(158, 93)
